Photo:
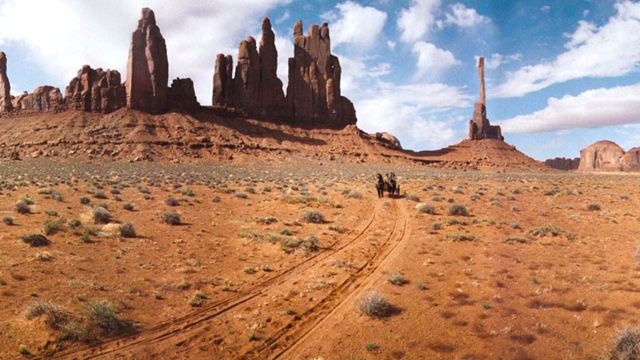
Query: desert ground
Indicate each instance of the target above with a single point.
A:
(148, 260)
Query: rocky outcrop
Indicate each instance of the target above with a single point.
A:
(313, 93)
(255, 89)
(388, 140)
(603, 155)
(43, 98)
(631, 160)
(182, 96)
(148, 67)
(563, 163)
(5, 86)
(479, 126)
(95, 91)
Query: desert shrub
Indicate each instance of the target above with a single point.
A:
(101, 215)
(100, 195)
(27, 199)
(8, 220)
(309, 244)
(457, 190)
(460, 237)
(197, 299)
(375, 304)
(115, 191)
(35, 240)
(44, 256)
(241, 195)
(171, 201)
(437, 225)
(85, 200)
(250, 270)
(128, 206)
(354, 194)
(22, 207)
(171, 217)
(216, 199)
(102, 318)
(426, 208)
(593, 207)
(127, 230)
(396, 278)
(52, 226)
(313, 216)
(267, 220)
(74, 223)
(626, 345)
(339, 229)
(515, 239)
(544, 230)
(459, 210)
(57, 316)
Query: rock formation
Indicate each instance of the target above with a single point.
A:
(256, 88)
(563, 163)
(313, 93)
(480, 127)
(5, 86)
(43, 98)
(388, 140)
(631, 160)
(182, 95)
(148, 67)
(603, 155)
(95, 91)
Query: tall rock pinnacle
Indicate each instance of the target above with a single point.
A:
(479, 126)
(5, 86)
(148, 67)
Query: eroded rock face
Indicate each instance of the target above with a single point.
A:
(43, 98)
(313, 93)
(95, 91)
(148, 67)
(5, 86)
(563, 163)
(603, 155)
(389, 140)
(256, 88)
(631, 160)
(479, 126)
(182, 95)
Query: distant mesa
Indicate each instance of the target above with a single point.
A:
(313, 95)
(479, 126)
(561, 163)
(43, 99)
(606, 155)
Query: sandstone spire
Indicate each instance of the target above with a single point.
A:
(5, 86)
(479, 126)
(148, 67)
(95, 90)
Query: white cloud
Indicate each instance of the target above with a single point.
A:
(463, 16)
(416, 21)
(356, 25)
(62, 35)
(592, 51)
(432, 61)
(497, 60)
(391, 44)
(545, 8)
(590, 109)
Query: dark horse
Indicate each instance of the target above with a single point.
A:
(380, 185)
(392, 186)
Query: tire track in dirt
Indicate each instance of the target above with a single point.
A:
(176, 326)
(279, 344)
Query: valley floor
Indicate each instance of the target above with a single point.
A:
(219, 261)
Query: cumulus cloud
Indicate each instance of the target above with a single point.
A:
(62, 35)
(349, 22)
(463, 16)
(590, 109)
(496, 60)
(610, 50)
(416, 21)
(432, 61)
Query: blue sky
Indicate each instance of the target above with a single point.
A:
(561, 74)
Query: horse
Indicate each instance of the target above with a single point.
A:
(391, 185)
(380, 185)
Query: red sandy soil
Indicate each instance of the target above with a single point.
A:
(505, 292)
(208, 136)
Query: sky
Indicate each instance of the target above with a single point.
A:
(560, 74)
